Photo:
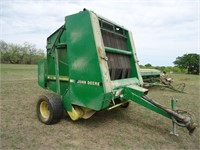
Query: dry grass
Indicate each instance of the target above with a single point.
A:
(132, 128)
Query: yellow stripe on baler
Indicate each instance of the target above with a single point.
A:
(61, 78)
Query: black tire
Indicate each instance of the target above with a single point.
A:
(49, 108)
(125, 105)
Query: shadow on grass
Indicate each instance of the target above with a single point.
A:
(119, 115)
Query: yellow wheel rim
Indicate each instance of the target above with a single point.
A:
(76, 113)
(44, 110)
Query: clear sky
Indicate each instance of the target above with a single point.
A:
(162, 29)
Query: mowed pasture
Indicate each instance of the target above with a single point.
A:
(133, 128)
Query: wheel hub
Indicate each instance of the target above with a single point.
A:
(44, 110)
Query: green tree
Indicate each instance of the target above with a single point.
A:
(162, 68)
(148, 66)
(20, 54)
(38, 56)
(176, 69)
(11, 53)
(3, 50)
(31, 52)
(167, 69)
(17, 54)
(189, 62)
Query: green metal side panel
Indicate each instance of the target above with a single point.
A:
(84, 70)
(42, 73)
(61, 48)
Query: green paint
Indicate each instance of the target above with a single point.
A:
(42, 73)
(150, 72)
(118, 51)
(135, 94)
(57, 72)
(77, 69)
(173, 101)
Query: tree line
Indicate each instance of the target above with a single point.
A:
(28, 54)
(188, 63)
(20, 53)
(175, 69)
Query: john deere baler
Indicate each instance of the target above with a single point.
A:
(92, 65)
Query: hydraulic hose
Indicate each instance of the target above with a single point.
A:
(176, 116)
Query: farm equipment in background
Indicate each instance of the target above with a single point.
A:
(92, 65)
(154, 77)
(150, 75)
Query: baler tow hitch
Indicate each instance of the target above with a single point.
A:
(179, 117)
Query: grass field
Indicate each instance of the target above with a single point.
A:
(132, 128)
